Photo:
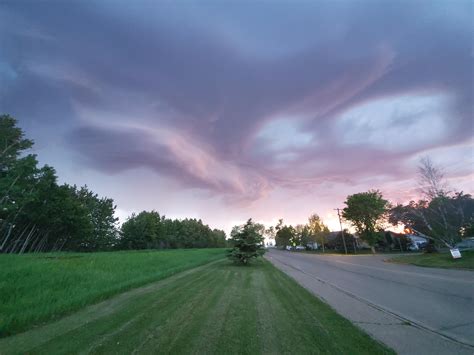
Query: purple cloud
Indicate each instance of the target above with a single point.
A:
(245, 99)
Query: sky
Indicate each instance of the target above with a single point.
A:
(229, 110)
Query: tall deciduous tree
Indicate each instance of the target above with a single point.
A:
(37, 214)
(284, 235)
(443, 216)
(318, 230)
(12, 141)
(365, 211)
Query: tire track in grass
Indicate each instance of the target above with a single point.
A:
(267, 325)
(94, 335)
(186, 322)
(239, 325)
(210, 331)
(34, 338)
(217, 309)
(154, 316)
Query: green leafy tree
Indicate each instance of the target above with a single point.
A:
(365, 211)
(141, 231)
(37, 214)
(285, 234)
(149, 230)
(318, 230)
(445, 219)
(247, 243)
(442, 216)
(302, 235)
(12, 142)
(337, 243)
(101, 214)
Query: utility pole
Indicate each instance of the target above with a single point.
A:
(342, 231)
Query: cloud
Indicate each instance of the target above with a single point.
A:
(166, 152)
(221, 100)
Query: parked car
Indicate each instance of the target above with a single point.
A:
(466, 244)
(300, 247)
(417, 243)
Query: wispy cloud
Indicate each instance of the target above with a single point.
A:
(218, 99)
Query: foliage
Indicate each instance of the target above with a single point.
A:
(318, 230)
(336, 242)
(149, 230)
(12, 142)
(284, 234)
(302, 235)
(247, 242)
(444, 217)
(37, 214)
(393, 241)
(365, 211)
(38, 287)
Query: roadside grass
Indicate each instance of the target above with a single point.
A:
(350, 252)
(442, 260)
(218, 308)
(40, 287)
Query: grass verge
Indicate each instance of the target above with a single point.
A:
(442, 260)
(37, 288)
(218, 308)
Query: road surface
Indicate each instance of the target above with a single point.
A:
(412, 309)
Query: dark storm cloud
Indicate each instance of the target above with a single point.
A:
(219, 74)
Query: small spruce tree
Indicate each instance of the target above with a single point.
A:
(247, 243)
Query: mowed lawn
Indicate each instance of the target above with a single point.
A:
(37, 288)
(443, 260)
(218, 308)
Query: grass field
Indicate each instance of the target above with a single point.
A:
(218, 308)
(443, 260)
(38, 288)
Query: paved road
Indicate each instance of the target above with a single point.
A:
(414, 310)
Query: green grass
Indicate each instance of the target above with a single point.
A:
(218, 308)
(38, 288)
(443, 260)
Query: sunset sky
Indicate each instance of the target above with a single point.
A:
(225, 110)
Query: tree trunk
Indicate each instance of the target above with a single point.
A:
(6, 238)
(13, 247)
(400, 243)
(27, 239)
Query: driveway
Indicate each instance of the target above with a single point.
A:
(414, 310)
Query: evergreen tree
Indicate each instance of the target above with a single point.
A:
(247, 243)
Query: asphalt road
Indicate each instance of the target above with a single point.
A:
(412, 309)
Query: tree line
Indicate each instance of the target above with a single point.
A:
(149, 230)
(39, 215)
(442, 215)
(314, 231)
